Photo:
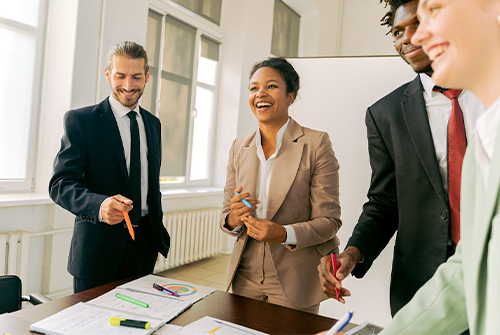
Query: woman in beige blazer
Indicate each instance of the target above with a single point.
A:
(289, 176)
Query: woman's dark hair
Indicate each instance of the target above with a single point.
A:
(284, 68)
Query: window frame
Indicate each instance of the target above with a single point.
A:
(27, 184)
(210, 30)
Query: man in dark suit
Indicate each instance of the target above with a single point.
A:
(108, 164)
(407, 142)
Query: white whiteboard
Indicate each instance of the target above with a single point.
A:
(333, 97)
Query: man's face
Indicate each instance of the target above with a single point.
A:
(127, 80)
(461, 37)
(404, 26)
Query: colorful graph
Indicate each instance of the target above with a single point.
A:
(182, 290)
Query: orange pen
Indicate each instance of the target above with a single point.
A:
(335, 268)
(129, 225)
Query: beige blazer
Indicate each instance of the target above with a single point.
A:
(304, 193)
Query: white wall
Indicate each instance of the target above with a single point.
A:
(334, 95)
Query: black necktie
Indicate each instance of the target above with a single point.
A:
(135, 168)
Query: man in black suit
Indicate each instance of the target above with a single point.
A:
(407, 142)
(109, 163)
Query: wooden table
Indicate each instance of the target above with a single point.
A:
(247, 312)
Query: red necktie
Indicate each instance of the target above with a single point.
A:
(457, 143)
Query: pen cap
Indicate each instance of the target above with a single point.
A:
(116, 321)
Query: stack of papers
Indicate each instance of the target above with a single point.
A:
(93, 317)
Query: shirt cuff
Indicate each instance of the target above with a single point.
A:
(235, 230)
(100, 216)
(291, 238)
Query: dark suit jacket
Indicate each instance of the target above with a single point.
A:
(90, 167)
(406, 194)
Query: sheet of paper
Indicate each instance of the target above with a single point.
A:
(160, 306)
(168, 330)
(188, 292)
(365, 328)
(213, 326)
(85, 319)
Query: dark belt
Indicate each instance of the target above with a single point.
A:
(144, 220)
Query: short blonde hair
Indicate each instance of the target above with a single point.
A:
(130, 50)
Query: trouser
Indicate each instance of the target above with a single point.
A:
(256, 277)
(138, 259)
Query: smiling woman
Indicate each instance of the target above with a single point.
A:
(289, 176)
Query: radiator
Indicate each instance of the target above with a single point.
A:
(194, 235)
(14, 252)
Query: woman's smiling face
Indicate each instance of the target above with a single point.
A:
(268, 97)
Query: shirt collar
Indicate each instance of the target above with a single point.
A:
(279, 137)
(120, 110)
(427, 83)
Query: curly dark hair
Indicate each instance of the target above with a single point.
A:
(388, 19)
(284, 68)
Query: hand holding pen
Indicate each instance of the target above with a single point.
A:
(241, 206)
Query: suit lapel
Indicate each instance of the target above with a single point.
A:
(150, 136)
(486, 206)
(285, 168)
(417, 123)
(248, 166)
(109, 122)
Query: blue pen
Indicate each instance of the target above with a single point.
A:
(340, 324)
(245, 201)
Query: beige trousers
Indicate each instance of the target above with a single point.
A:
(256, 277)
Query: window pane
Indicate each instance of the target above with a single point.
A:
(17, 61)
(153, 50)
(174, 113)
(209, 9)
(200, 158)
(178, 50)
(25, 11)
(148, 100)
(286, 26)
(207, 62)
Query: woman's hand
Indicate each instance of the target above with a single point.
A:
(264, 230)
(239, 210)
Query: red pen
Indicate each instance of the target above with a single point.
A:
(335, 268)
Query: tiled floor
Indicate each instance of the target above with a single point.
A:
(209, 272)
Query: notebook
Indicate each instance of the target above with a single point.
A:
(93, 316)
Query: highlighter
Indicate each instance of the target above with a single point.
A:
(129, 323)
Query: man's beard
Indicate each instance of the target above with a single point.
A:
(127, 102)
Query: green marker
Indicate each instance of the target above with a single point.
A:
(132, 300)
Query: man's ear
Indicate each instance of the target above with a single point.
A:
(108, 75)
(147, 75)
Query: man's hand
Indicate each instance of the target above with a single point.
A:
(264, 230)
(112, 209)
(346, 261)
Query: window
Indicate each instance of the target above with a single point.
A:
(182, 89)
(286, 26)
(209, 9)
(21, 36)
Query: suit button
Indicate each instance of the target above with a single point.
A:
(295, 215)
(444, 215)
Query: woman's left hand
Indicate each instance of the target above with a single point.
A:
(265, 230)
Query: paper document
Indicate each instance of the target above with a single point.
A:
(365, 329)
(188, 292)
(213, 326)
(85, 319)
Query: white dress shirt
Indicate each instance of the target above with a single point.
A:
(264, 180)
(486, 133)
(123, 121)
(438, 112)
